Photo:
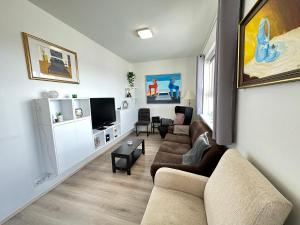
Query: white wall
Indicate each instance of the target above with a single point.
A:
(101, 74)
(185, 66)
(268, 129)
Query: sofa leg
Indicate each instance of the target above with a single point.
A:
(136, 131)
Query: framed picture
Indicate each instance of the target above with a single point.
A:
(49, 62)
(163, 89)
(269, 43)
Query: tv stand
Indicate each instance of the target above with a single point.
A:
(106, 134)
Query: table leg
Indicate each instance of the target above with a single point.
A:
(128, 159)
(143, 147)
(113, 162)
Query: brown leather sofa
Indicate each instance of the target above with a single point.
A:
(174, 146)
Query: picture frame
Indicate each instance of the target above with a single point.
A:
(163, 88)
(267, 52)
(49, 62)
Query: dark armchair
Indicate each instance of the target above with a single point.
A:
(167, 123)
(143, 120)
(188, 113)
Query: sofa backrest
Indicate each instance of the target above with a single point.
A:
(237, 193)
(197, 128)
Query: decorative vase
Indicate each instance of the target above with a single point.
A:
(53, 94)
(78, 112)
(60, 118)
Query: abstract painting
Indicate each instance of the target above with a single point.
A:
(50, 62)
(163, 89)
(269, 43)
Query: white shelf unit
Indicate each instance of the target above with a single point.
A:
(64, 144)
(100, 136)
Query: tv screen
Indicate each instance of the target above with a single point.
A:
(103, 111)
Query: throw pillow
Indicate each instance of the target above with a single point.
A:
(179, 118)
(193, 156)
(181, 129)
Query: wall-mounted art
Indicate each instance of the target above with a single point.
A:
(49, 62)
(269, 43)
(163, 89)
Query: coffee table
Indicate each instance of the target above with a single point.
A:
(127, 155)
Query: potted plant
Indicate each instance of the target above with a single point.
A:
(60, 117)
(131, 79)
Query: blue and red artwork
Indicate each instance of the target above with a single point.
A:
(163, 89)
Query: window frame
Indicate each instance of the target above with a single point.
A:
(209, 68)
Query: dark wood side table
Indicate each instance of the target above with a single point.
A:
(127, 155)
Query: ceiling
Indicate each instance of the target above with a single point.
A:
(180, 27)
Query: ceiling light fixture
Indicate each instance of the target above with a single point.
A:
(144, 33)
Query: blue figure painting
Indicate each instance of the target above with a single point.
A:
(264, 51)
(163, 89)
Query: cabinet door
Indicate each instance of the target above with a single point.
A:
(84, 138)
(128, 119)
(73, 143)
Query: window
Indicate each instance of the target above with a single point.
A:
(208, 88)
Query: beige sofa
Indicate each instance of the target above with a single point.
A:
(235, 194)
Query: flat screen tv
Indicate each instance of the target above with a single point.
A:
(103, 112)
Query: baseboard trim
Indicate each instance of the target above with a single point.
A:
(66, 175)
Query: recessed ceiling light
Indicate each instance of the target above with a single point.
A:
(144, 33)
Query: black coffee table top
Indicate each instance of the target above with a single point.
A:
(126, 149)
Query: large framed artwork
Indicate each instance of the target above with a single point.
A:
(163, 89)
(50, 62)
(269, 43)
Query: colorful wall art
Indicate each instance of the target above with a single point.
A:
(163, 89)
(269, 47)
(50, 62)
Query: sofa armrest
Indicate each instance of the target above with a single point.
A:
(181, 181)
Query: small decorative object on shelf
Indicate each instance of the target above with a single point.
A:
(54, 119)
(97, 142)
(60, 117)
(125, 105)
(129, 142)
(74, 95)
(128, 94)
(131, 79)
(78, 112)
(53, 94)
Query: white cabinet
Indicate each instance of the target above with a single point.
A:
(73, 143)
(67, 143)
(128, 118)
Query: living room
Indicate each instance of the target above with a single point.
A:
(100, 46)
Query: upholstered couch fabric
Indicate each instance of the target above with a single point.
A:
(181, 144)
(235, 194)
(177, 208)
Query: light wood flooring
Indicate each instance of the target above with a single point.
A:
(94, 195)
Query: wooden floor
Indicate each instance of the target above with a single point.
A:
(95, 195)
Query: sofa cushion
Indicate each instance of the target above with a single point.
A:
(170, 207)
(181, 130)
(179, 118)
(166, 157)
(237, 193)
(174, 148)
(178, 138)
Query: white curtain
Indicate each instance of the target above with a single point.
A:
(200, 84)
